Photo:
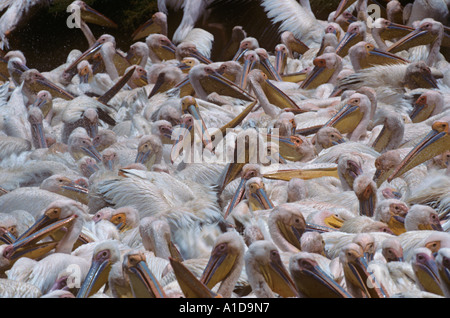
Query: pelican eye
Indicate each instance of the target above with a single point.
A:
(305, 264)
(103, 255)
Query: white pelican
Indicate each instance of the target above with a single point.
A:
(262, 259)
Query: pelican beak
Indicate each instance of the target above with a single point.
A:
(27, 244)
(361, 276)
(17, 70)
(85, 75)
(56, 91)
(6, 236)
(367, 201)
(381, 142)
(343, 5)
(184, 138)
(238, 196)
(91, 15)
(427, 273)
(280, 61)
(269, 70)
(295, 77)
(246, 68)
(395, 30)
(199, 56)
(347, 118)
(143, 155)
(434, 226)
(190, 285)
(259, 200)
(215, 82)
(184, 66)
(380, 57)
(219, 265)
(421, 111)
(74, 187)
(349, 39)
(277, 97)
(240, 52)
(161, 85)
(444, 271)
(92, 152)
(110, 93)
(89, 53)
(417, 37)
(185, 87)
(143, 282)
(189, 105)
(292, 233)
(289, 147)
(149, 27)
(435, 142)
(278, 278)
(320, 74)
(334, 221)
(39, 131)
(96, 277)
(304, 174)
(313, 282)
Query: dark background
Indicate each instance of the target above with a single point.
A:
(46, 41)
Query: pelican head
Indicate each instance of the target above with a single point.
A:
(428, 104)
(393, 213)
(44, 101)
(149, 150)
(249, 43)
(326, 67)
(34, 82)
(356, 32)
(90, 53)
(426, 271)
(366, 192)
(385, 164)
(350, 115)
(433, 144)
(143, 282)
(91, 15)
(160, 48)
(311, 280)
(256, 194)
(357, 275)
(364, 55)
(422, 217)
(8, 229)
(327, 137)
(68, 187)
(250, 170)
(189, 49)
(288, 220)
(61, 213)
(293, 44)
(106, 253)
(427, 32)
(125, 218)
(419, 75)
(80, 144)
(263, 262)
(157, 24)
(349, 168)
(392, 250)
(227, 258)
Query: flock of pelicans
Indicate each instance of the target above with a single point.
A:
(334, 178)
